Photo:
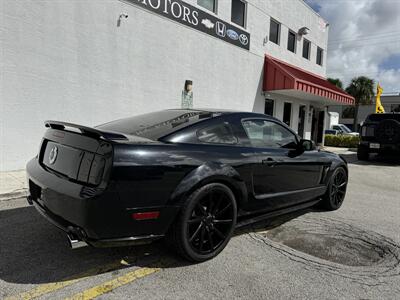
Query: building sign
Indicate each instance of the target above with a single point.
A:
(189, 15)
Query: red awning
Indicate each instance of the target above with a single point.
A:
(279, 75)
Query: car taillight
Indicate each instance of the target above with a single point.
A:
(91, 168)
(148, 215)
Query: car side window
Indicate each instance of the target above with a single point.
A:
(221, 133)
(263, 133)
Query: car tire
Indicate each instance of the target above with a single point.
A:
(336, 192)
(205, 223)
(362, 154)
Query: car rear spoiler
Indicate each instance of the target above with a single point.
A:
(88, 131)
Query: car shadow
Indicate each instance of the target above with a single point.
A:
(32, 251)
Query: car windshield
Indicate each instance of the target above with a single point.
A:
(157, 124)
(345, 128)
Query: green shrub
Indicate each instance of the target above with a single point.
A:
(346, 141)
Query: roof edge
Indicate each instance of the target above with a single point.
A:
(314, 11)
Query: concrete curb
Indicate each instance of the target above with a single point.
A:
(339, 150)
(22, 193)
(12, 185)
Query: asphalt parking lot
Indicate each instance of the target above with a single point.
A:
(352, 253)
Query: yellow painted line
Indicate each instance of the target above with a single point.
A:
(55, 286)
(108, 286)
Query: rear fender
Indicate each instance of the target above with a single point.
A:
(210, 173)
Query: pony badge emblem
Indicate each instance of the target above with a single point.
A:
(53, 155)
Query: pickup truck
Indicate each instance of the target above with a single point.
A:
(380, 134)
(341, 129)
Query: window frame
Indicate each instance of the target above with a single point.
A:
(309, 49)
(320, 50)
(248, 140)
(244, 14)
(295, 41)
(214, 124)
(272, 20)
(215, 11)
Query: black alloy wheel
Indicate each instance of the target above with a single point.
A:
(337, 189)
(206, 223)
(210, 222)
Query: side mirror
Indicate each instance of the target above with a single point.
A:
(307, 145)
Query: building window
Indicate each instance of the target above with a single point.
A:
(269, 107)
(291, 45)
(208, 4)
(239, 12)
(306, 48)
(320, 56)
(274, 31)
(287, 113)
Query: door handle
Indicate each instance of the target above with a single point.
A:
(269, 162)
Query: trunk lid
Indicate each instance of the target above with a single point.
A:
(77, 153)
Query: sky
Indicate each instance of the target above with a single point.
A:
(364, 39)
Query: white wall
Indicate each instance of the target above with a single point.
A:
(68, 60)
(292, 14)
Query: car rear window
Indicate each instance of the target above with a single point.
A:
(157, 124)
(380, 117)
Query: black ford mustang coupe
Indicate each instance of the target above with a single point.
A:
(192, 176)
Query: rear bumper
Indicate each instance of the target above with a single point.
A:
(95, 215)
(70, 228)
(383, 148)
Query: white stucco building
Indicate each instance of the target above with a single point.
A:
(90, 62)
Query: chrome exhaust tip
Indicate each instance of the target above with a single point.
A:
(74, 242)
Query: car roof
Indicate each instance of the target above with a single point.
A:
(203, 110)
(162, 123)
(217, 112)
(387, 113)
(376, 117)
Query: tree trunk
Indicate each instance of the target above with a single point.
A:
(355, 122)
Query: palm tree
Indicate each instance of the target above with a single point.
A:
(337, 82)
(362, 89)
